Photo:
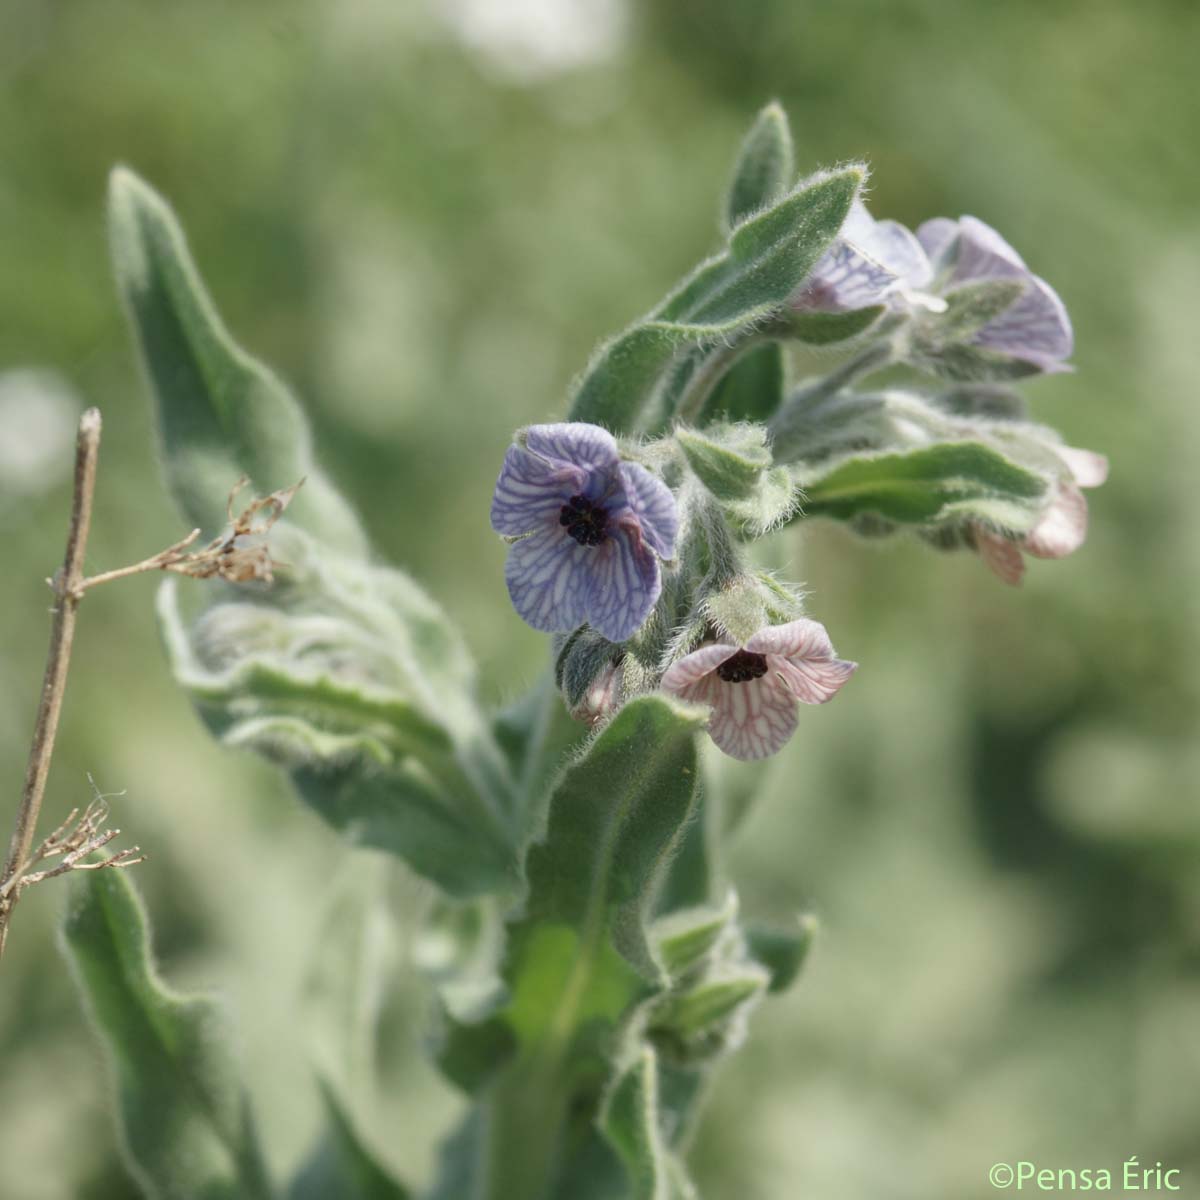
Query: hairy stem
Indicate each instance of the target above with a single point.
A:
(66, 586)
(788, 424)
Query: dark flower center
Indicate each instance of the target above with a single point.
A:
(743, 667)
(586, 522)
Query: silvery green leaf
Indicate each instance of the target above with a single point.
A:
(765, 165)
(768, 256)
(781, 951)
(729, 460)
(751, 389)
(440, 827)
(772, 502)
(828, 328)
(221, 414)
(351, 678)
(926, 486)
(968, 309)
(696, 1012)
(631, 1125)
(341, 1165)
(686, 938)
(984, 400)
(185, 1123)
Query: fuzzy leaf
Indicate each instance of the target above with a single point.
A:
(927, 485)
(782, 951)
(221, 414)
(437, 828)
(768, 257)
(751, 390)
(829, 328)
(694, 1011)
(630, 1123)
(968, 309)
(765, 165)
(184, 1117)
(729, 459)
(342, 1166)
(686, 938)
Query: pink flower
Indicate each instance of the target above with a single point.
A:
(1062, 527)
(753, 689)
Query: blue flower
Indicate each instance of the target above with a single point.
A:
(1035, 328)
(881, 262)
(592, 530)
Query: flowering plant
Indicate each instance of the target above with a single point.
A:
(594, 965)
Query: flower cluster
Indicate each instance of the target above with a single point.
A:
(632, 549)
(882, 262)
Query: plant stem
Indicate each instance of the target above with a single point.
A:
(66, 586)
(789, 422)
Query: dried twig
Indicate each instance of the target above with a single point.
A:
(239, 555)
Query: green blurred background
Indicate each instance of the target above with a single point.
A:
(425, 213)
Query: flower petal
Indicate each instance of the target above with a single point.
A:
(654, 506)
(693, 667)
(896, 247)
(1062, 528)
(1002, 556)
(797, 639)
(984, 254)
(1036, 328)
(547, 576)
(846, 278)
(1089, 469)
(753, 719)
(936, 236)
(574, 443)
(531, 491)
(623, 582)
(812, 680)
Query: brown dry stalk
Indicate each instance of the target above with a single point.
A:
(62, 634)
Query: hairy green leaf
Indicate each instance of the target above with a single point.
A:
(221, 414)
(768, 256)
(342, 1166)
(630, 1122)
(184, 1116)
(765, 165)
(751, 390)
(926, 485)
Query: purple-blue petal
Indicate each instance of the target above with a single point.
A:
(531, 491)
(575, 443)
(936, 237)
(624, 581)
(843, 280)
(652, 503)
(1036, 328)
(548, 576)
(984, 254)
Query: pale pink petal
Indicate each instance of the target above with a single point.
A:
(753, 719)
(812, 681)
(693, 667)
(1062, 528)
(1090, 469)
(1002, 556)
(797, 639)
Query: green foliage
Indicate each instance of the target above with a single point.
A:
(221, 414)
(632, 1125)
(349, 677)
(729, 460)
(768, 256)
(342, 1166)
(750, 390)
(782, 952)
(764, 168)
(925, 486)
(185, 1123)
